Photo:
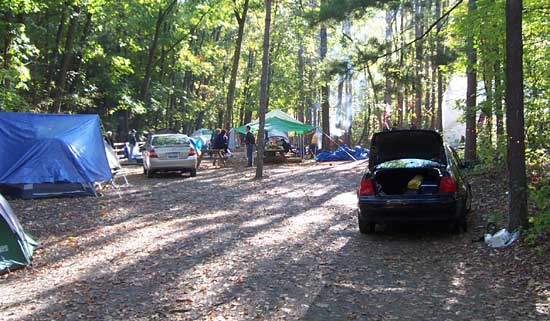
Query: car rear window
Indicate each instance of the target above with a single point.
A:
(170, 140)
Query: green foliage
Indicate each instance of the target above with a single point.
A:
(539, 195)
(496, 218)
(341, 9)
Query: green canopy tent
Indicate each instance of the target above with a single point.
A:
(16, 246)
(277, 120)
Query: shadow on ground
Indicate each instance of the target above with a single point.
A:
(221, 245)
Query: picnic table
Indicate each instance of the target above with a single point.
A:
(218, 155)
(274, 155)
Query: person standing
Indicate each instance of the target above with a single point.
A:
(132, 142)
(249, 141)
(109, 139)
(313, 145)
(224, 140)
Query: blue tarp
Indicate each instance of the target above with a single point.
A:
(49, 148)
(343, 154)
(197, 143)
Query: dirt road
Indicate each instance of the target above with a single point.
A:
(221, 246)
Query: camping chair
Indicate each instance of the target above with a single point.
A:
(119, 173)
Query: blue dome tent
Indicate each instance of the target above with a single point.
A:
(46, 155)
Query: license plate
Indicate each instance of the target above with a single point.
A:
(173, 155)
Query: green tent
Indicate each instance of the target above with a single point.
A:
(16, 246)
(277, 120)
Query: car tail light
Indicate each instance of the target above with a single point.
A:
(447, 185)
(192, 151)
(366, 187)
(153, 154)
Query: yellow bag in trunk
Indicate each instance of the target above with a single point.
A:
(415, 182)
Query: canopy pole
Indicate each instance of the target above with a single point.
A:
(302, 147)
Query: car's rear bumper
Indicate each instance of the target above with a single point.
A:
(172, 164)
(385, 210)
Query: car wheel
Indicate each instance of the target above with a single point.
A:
(366, 228)
(150, 173)
(193, 172)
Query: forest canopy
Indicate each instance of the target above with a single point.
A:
(190, 64)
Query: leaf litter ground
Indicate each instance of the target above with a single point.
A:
(222, 246)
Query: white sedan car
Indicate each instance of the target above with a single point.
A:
(169, 153)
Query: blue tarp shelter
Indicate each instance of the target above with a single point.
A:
(49, 154)
(343, 153)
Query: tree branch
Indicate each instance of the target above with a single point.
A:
(191, 31)
(169, 8)
(237, 13)
(430, 28)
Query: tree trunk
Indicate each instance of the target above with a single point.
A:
(439, 122)
(339, 105)
(325, 92)
(498, 104)
(515, 126)
(400, 89)
(163, 12)
(80, 52)
(66, 62)
(417, 121)
(247, 103)
(432, 97)
(439, 53)
(144, 93)
(488, 106)
(241, 20)
(263, 92)
(55, 51)
(471, 93)
(301, 102)
(348, 121)
(387, 93)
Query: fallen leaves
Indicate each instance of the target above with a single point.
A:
(224, 247)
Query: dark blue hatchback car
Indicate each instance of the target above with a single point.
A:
(412, 176)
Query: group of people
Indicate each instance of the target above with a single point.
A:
(220, 140)
(132, 142)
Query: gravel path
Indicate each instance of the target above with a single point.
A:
(222, 246)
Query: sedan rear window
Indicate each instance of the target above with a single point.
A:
(170, 140)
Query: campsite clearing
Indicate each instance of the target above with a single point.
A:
(221, 246)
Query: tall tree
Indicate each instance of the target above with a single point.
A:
(419, 57)
(471, 92)
(439, 53)
(241, 21)
(515, 125)
(325, 89)
(388, 91)
(264, 82)
(161, 17)
(301, 80)
(66, 61)
(498, 104)
(400, 82)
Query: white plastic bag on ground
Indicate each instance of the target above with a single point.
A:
(500, 239)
